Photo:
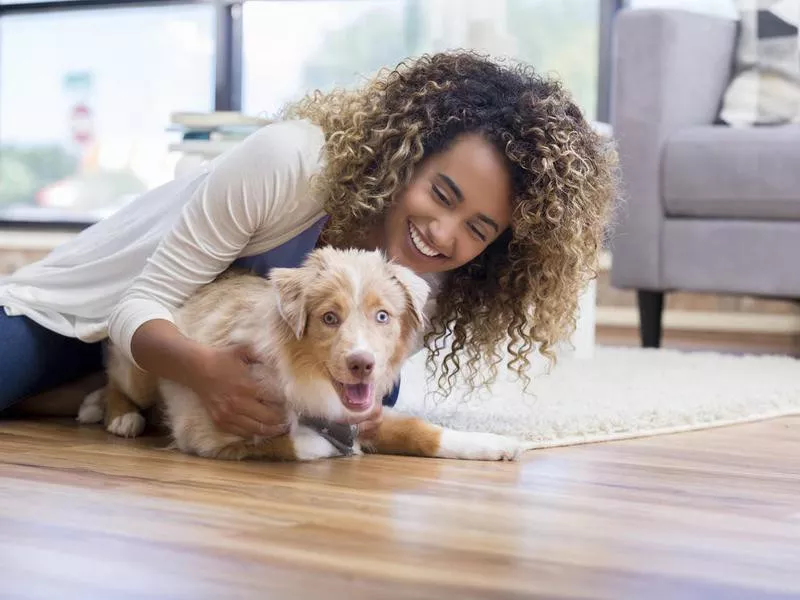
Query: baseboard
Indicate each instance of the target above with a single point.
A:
(35, 240)
(684, 320)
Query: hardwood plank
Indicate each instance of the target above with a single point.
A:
(711, 514)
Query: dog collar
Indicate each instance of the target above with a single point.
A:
(340, 435)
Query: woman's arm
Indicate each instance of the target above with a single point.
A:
(254, 186)
(160, 348)
(220, 377)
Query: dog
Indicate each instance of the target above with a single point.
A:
(331, 334)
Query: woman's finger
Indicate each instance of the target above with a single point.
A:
(251, 427)
(267, 413)
(368, 429)
(234, 430)
(247, 354)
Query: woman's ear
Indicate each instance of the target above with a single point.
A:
(290, 285)
(416, 290)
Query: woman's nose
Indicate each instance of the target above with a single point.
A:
(443, 235)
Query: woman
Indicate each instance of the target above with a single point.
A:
(484, 178)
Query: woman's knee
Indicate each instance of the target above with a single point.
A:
(34, 359)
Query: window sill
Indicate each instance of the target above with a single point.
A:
(33, 240)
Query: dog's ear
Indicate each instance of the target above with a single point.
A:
(416, 290)
(290, 285)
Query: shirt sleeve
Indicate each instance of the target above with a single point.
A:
(255, 185)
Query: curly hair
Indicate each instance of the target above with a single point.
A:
(523, 289)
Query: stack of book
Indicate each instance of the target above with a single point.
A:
(216, 126)
(206, 135)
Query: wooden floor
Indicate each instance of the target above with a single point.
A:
(705, 515)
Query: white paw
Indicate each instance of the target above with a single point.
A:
(309, 445)
(91, 410)
(128, 425)
(479, 446)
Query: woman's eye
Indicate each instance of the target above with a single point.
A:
(478, 233)
(440, 194)
(382, 316)
(330, 318)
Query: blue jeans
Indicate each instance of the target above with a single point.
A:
(34, 359)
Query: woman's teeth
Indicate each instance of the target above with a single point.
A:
(419, 244)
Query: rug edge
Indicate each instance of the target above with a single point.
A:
(631, 435)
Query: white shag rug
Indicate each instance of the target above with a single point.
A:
(620, 393)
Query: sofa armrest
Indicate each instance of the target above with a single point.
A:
(670, 70)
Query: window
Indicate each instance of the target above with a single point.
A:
(86, 93)
(291, 48)
(85, 101)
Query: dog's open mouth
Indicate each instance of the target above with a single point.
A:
(356, 396)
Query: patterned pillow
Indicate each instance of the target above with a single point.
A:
(765, 89)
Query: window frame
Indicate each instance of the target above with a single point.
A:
(229, 56)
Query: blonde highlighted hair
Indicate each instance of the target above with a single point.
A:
(522, 291)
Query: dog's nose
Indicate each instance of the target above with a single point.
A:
(361, 363)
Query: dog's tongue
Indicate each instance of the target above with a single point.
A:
(358, 395)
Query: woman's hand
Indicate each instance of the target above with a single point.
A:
(220, 376)
(233, 398)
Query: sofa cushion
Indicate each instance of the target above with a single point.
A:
(723, 172)
(765, 88)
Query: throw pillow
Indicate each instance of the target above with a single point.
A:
(765, 89)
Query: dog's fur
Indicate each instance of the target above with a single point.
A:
(378, 310)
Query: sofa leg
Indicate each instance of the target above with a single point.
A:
(651, 307)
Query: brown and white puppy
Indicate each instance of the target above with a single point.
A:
(331, 334)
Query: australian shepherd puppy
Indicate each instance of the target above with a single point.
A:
(331, 335)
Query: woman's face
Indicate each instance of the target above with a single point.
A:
(457, 203)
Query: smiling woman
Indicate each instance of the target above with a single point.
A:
(439, 150)
(457, 203)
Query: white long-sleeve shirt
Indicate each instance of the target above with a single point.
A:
(146, 259)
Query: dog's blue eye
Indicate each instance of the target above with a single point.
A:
(382, 316)
(330, 318)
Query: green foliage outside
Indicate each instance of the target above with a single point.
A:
(23, 171)
(558, 38)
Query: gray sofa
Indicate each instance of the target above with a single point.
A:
(706, 207)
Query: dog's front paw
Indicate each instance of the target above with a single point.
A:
(92, 407)
(128, 425)
(466, 445)
(309, 445)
